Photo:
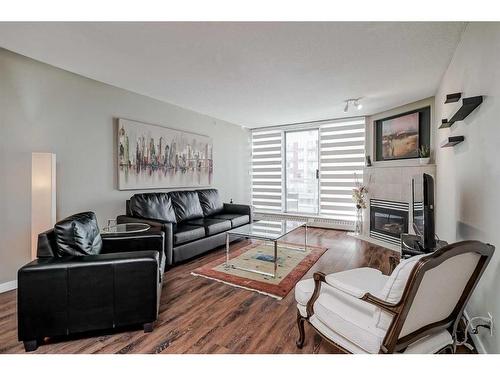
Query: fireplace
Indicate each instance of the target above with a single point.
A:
(388, 220)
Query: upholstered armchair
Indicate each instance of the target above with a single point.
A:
(414, 310)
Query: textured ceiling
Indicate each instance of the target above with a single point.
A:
(251, 74)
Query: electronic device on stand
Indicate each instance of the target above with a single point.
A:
(424, 240)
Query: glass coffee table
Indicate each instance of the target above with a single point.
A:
(266, 230)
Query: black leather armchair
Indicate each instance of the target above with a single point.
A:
(118, 284)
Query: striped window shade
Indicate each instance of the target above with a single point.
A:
(342, 156)
(267, 170)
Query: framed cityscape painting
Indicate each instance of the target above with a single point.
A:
(156, 157)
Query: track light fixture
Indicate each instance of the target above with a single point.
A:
(355, 102)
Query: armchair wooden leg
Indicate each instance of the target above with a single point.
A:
(300, 324)
(148, 327)
(31, 345)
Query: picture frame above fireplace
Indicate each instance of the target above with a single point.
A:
(401, 136)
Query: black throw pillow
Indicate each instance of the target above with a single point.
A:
(153, 206)
(78, 235)
(186, 205)
(210, 201)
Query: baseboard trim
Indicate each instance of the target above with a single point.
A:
(475, 338)
(9, 285)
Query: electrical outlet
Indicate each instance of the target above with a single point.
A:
(491, 323)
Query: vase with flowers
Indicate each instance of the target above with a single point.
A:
(359, 197)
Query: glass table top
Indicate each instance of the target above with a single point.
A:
(268, 229)
(126, 228)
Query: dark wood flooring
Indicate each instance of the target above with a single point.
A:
(198, 315)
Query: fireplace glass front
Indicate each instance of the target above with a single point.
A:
(388, 220)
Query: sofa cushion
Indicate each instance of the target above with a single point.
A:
(212, 226)
(236, 219)
(394, 288)
(210, 201)
(358, 281)
(348, 320)
(78, 235)
(155, 206)
(186, 233)
(186, 205)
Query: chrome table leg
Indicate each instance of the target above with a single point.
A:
(275, 258)
(227, 250)
(305, 237)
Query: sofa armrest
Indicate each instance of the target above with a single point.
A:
(58, 296)
(119, 243)
(243, 209)
(166, 227)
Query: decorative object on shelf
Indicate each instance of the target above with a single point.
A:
(452, 141)
(400, 136)
(152, 156)
(424, 154)
(453, 98)
(468, 105)
(368, 161)
(359, 197)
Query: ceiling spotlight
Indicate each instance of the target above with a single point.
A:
(355, 102)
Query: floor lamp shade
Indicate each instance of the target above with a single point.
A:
(43, 195)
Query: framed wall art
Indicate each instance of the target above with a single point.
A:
(157, 157)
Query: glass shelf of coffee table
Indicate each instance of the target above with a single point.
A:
(266, 230)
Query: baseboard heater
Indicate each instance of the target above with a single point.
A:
(318, 222)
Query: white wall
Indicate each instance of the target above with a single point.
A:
(468, 175)
(45, 109)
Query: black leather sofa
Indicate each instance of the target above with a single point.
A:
(83, 281)
(194, 222)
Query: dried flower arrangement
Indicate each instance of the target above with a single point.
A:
(359, 193)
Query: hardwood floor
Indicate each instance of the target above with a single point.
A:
(198, 315)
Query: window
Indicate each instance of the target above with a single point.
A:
(302, 191)
(266, 170)
(309, 170)
(342, 157)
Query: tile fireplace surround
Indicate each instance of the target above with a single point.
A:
(392, 183)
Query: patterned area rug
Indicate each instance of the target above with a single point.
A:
(293, 263)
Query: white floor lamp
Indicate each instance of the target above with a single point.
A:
(43, 195)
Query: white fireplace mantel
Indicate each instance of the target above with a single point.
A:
(392, 182)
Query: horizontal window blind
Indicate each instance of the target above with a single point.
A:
(342, 156)
(341, 161)
(267, 170)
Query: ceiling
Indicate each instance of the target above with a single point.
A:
(251, 74)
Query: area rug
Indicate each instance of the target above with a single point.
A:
(293, 263)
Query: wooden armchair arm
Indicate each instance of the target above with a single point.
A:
(384, 305)
(318, 277)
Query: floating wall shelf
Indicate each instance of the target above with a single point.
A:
(452, 98)
(468, 105)
(452, 141)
